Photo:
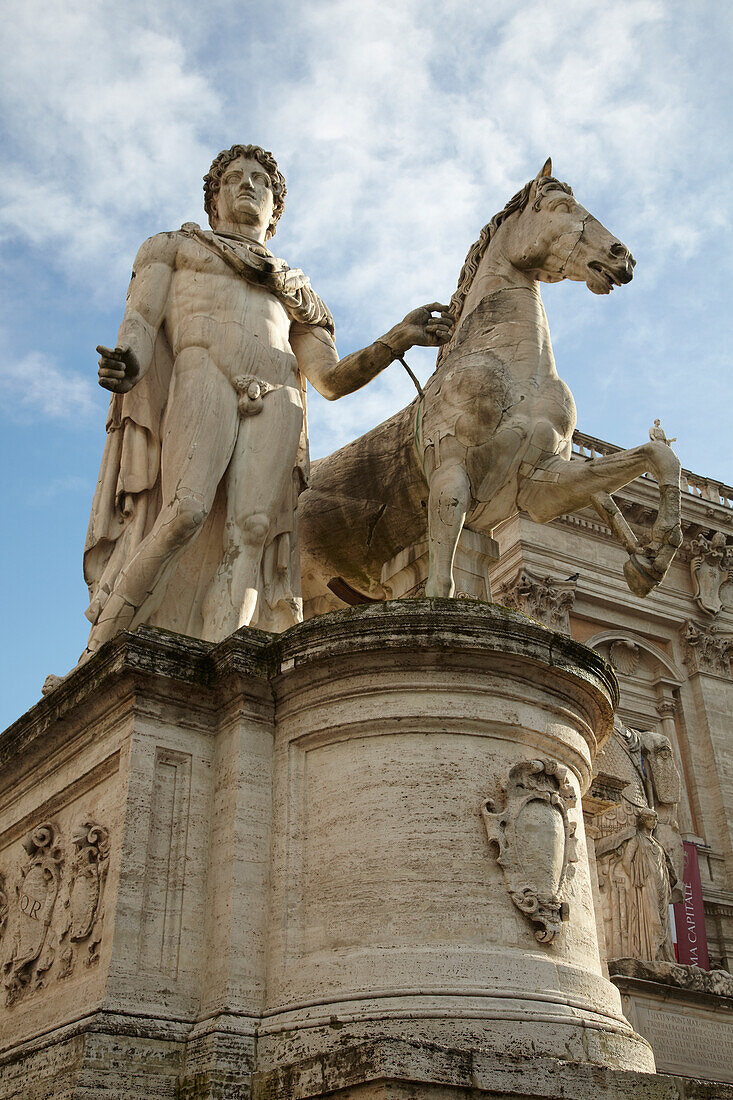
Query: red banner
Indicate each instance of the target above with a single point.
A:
(689, 915)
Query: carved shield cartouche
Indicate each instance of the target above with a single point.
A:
(36, 891)
(90, 867)
(535, 841)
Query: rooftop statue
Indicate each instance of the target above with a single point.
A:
(657, 432)
(193, 523)
(492, 432)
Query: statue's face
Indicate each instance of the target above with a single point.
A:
(245, 195)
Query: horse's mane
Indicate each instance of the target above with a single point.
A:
(476, 252)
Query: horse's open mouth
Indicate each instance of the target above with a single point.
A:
(601, 280)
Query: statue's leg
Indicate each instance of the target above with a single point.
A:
(257, 481)
(448, 502)
(559, 487)
(198, 437)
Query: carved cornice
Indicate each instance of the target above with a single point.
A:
(543, 598)
(706, 649)
(666, 709)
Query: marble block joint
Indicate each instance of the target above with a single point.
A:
(346, 860)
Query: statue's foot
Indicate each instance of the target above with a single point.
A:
(51, 683)
(117, 615)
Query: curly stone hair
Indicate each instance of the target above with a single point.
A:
(212, 180)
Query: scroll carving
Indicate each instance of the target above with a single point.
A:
(40, 877)
(535, 841)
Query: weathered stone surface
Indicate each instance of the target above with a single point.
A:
(273, 848)
(399, 1070)
(713, 983)
(690, 1027)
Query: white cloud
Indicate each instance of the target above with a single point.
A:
(401, 128)
(104, 118)
(35, 386)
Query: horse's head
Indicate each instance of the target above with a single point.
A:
(553, 237)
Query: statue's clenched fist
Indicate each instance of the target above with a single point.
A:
(119, 368)
(421, 327)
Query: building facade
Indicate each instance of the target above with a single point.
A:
(672, 654)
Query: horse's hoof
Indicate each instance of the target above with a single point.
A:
(639, 578)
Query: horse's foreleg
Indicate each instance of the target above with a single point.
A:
(560, 487)
(450, 495)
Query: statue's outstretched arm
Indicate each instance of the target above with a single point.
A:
(319, 361)
(121, 367)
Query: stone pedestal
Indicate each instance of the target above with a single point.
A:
(337, 861)
(686, 1014)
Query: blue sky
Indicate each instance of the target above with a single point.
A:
(401, 127)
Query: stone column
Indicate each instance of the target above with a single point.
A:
(430, 878)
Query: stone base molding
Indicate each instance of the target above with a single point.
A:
(358, 843)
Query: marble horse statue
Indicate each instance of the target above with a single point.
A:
(492, 431)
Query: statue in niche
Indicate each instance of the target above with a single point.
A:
(639, 851)
(193, 523)
(491, 431)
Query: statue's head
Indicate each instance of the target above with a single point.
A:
(646, 820)
(656, 422)
(213, 181)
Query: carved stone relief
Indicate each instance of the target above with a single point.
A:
(535, 841)
(711, 569)
(3, 909)
(638, 847)
(634, 875)
(543, 598)
(36, 892)
(56, 904)
(85, 893)
(624, 656)
(706, 649)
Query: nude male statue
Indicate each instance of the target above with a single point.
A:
(193, 524)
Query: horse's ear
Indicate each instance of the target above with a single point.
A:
(546, 171)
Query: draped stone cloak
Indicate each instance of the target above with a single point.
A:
(127, 498)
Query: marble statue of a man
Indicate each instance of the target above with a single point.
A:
(193, 524)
